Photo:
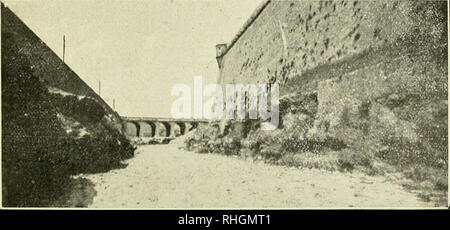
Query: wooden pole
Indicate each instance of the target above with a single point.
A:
(64, 46)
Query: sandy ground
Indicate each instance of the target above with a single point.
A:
(163, 176)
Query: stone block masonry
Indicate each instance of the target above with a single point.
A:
(298, 43)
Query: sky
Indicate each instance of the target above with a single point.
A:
(137, 49)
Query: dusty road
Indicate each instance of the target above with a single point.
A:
(163, 176)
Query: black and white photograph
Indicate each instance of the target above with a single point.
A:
(224, 104)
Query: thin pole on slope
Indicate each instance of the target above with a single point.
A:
(64, 46)
(99, 87)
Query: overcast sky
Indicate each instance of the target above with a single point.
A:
(137, 49)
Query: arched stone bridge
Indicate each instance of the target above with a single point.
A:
(158, 127)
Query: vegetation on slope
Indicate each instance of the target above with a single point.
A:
(41, 145)
(372, 147)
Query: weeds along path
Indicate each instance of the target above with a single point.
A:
(163, 176)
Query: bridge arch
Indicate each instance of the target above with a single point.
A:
(193, 125)
(188, 127)
(162, 128)
(153, 128)
(182, 127)
(167, 127)
(175, 129)
(132, 128)
(145, 129)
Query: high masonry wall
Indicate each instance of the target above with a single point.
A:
(372, 71)
(375, 47)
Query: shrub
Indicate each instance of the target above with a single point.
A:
(349, 159)
(325, 161)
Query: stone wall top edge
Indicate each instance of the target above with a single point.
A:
(247, 24)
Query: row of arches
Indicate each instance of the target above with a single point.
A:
(157, 128)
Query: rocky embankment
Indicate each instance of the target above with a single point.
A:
(48, 135)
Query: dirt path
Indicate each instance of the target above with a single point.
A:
(162, 176)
